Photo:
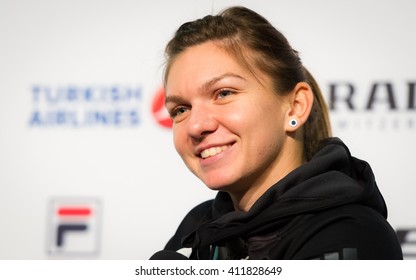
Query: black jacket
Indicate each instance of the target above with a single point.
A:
(328, 208)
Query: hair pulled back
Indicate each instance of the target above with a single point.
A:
(259, 46)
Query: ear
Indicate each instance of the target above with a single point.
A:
(301, 101)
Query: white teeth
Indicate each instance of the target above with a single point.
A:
(213, 151)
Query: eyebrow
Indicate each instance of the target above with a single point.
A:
(203, 87)
(176, 99)
(215, 80)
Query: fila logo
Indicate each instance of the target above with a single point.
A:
(77, 213)
(74, 227)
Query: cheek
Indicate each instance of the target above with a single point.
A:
(249, 117)
(238, 116)
(178, 140)
(265, 125)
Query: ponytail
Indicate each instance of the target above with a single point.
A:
(318, 126)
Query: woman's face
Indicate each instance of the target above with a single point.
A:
(228, 124)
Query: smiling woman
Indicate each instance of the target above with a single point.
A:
(245, 158)
(250, 121)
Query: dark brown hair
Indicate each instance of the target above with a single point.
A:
(238, 29)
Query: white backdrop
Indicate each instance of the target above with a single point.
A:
(78, 80)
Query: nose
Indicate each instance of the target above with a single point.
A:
(201, 122)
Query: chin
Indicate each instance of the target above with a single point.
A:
(219, 185)
(215, 187)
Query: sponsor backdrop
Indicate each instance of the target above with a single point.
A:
(87, 164)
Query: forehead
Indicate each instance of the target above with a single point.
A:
(207, 58)
(200, 63)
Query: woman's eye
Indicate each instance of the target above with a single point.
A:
(178, 111)
(224, 93)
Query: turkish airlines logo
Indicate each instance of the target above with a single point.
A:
(74, 226)
(159, 111)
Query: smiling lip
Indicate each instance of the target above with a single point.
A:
(206, 153)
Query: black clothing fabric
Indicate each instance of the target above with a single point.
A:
(328, 208)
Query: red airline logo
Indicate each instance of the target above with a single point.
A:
(159, 111)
